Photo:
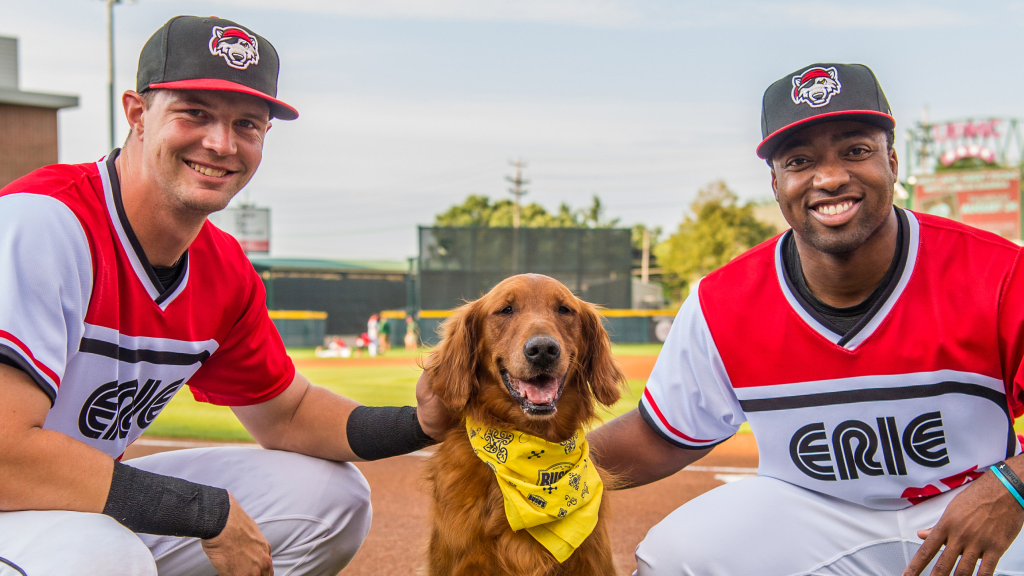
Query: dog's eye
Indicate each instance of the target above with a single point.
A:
(506, 310)
(564, 310)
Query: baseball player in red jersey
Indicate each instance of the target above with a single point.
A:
(876, 354)
(116, 293)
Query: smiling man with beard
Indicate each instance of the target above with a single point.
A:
(876, 354)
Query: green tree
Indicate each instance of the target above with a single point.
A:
(718, 230)
(480, 211)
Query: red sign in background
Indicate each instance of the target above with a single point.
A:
(986, 199)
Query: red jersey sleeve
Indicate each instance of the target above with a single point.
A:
(1011, 336)
(251, 364)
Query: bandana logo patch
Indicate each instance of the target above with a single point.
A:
(238, 48)
(553, 473)
(816, 86)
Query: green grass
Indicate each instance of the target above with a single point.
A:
(307, 353)
(185, 418)
(363, 382)
(636, 349)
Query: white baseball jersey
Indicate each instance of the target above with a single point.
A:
(918, 398)
(84, 315)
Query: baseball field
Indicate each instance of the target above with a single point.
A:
(397, 538)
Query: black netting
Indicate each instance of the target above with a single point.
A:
(459, 264)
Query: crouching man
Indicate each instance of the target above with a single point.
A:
(115, 293)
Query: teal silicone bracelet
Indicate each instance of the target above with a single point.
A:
(1006, 483)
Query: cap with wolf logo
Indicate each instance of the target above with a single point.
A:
(193, 53)
(820, 93)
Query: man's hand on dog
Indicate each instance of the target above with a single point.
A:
(980, 523)
(240, 549)
(435, 419)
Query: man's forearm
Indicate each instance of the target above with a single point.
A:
(49, 471)
(42, 469)
(634, 454)
(306, 419)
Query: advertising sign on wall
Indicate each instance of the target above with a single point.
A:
(250, 226)
(986, 199)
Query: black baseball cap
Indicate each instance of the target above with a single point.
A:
(821, 93)
(193, 53)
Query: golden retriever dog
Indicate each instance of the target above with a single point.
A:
(531, 357)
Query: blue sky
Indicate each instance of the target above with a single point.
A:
(407, 106)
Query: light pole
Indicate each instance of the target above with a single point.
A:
(110, 66)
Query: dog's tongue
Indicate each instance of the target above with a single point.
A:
(540, 390)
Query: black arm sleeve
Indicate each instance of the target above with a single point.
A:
(155, 504)
(376, 432)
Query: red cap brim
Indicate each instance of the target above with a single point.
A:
(278, 109)
(769, 144)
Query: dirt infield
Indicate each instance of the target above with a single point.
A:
(397, 538)
(398, 535)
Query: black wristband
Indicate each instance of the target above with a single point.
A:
(376, 432)
(1011, 477)
(155, 504)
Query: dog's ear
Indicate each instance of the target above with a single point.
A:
(452, 366)
(598, 367)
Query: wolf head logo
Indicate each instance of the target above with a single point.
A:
(238, 48)
(816, 86)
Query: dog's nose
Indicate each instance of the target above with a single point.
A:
(542, 350)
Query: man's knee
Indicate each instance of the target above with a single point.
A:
(346, 508)
(703, 535)
(665, 551)
(328, 525)
(60, 542)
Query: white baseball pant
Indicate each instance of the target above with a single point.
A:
(314, 513)
(768, 527)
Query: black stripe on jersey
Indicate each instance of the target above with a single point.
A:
(115, 189)
(111, 350)
(10, 357)
(650, 422)
(885, 394)
(872, 395)
(7, 562)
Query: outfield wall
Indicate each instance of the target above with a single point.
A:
(460, 264)
(623, 326)
(300, 328)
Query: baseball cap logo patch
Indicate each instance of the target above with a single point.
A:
(816, 86)
(238, 48)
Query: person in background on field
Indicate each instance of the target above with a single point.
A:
(372, 334)
(410, 333)
(384, 335)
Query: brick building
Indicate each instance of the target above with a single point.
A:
(28, 120)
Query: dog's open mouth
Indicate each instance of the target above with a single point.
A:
(538, 395)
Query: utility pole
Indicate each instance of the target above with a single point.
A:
(517, 190)
(517, 187)
(646, 259)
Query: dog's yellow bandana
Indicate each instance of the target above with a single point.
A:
(552, 490)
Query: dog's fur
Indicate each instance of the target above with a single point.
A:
(470, 534)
